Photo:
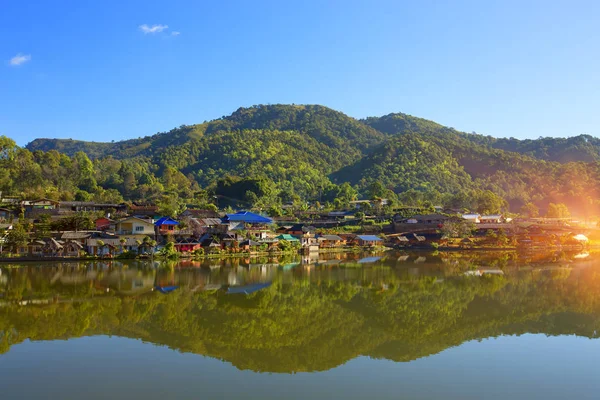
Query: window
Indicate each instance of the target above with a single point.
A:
(139, 229)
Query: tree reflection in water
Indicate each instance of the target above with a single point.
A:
(309, 317)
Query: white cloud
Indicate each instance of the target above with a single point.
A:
(19, 59)
(175, 33)
(153, 29)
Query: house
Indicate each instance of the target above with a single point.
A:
(328, 241)
(210, 241)
(79, 237)
(248, 244)
(34, 248)
(53, 248)
(78, 206)
(368, 240)
(283, 229)
(6, 214)
(256, 225)
(200, 226)
(187, 245)
(288, 237)
(358, 204)
(39, 207)
(309, 242)
(134, 226)
(400, 240)
(72, 249)
(297, 229)
(247, 218)
(103, 224)
(491, 219)
(166, 226)
(474, 218)
(419, 223)
(101, 244)
(143, 209)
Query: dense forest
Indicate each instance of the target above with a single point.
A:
(268, 155)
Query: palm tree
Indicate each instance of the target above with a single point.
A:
(122, 241)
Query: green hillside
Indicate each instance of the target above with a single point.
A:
(267, 155)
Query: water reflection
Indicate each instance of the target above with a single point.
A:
(293, 314)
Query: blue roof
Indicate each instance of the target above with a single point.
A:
(369, 238)
(166, 221)
(247, 217)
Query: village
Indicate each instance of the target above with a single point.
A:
(46, 228)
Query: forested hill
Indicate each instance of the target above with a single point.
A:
(327, 126)
(268, 155)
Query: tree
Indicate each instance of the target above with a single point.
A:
(17, 237)
(530, 210)
(457, 229)
(170, 205)
(558, 210)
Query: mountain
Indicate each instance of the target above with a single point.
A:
(583, 148)
(268, 154)
(327, 126)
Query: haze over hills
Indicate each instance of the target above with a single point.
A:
(269, 154)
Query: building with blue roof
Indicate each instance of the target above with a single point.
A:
(166, 225)
(247, 217)
(368, 240)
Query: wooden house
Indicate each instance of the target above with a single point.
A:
(134, 226)
(368, 240)
(104, 223)
(329, 241)
(187, 245)
(166, 226)
(6, 214)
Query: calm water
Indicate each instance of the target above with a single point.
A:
(388, 326)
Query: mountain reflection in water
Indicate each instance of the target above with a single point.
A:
(284, 315)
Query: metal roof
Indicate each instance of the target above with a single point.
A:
(369, 238)
(247, 217)
(166, 221)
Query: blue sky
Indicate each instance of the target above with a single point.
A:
(87, 70)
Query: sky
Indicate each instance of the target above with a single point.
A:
(112, 70)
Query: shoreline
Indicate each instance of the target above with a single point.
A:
(32, 259)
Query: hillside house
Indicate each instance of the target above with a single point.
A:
(474, 218)
(256, 225)
(368, 240)
(38, 207)
(79, 237)
(135, 226)
(78, 206)
(309, 242)
(103, 224)
(143, 209)
(287, 237)
(166, 226)
(418, 223)
(6, 214)
(492, 219)
(329, 241)
(187, 245)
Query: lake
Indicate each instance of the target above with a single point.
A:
(350, 326)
